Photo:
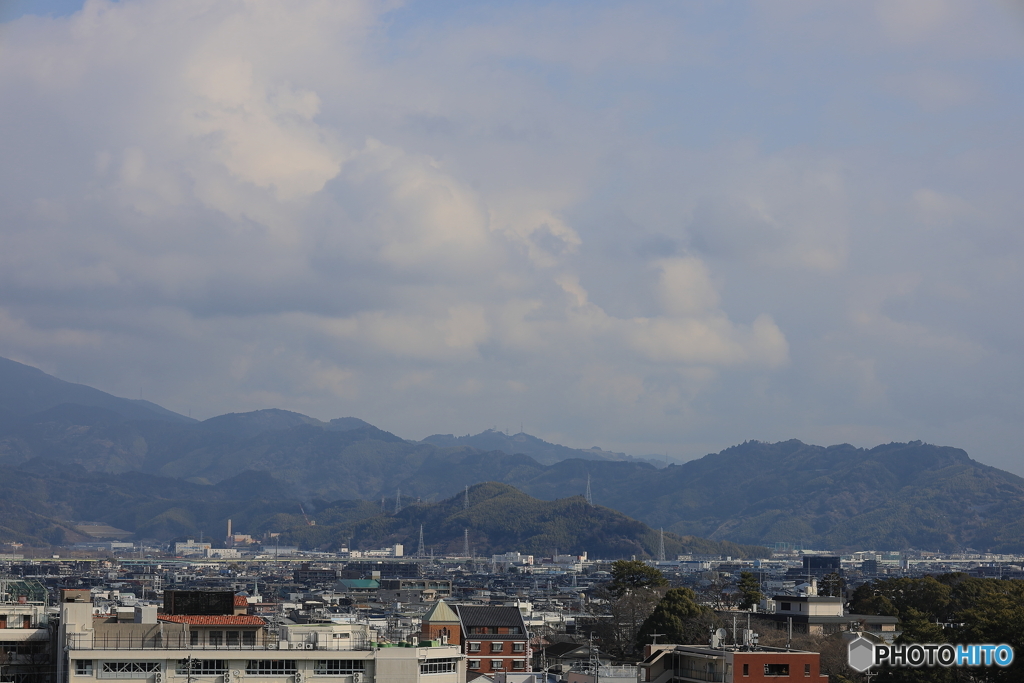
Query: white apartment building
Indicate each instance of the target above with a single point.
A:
(157, 648)
(25, 648)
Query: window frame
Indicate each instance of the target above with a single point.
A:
(441, 665)
(128, 669)
(257, 667)
(207, 667)
(338, 667)
(776, 669)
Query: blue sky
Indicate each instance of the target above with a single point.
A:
(654, 227)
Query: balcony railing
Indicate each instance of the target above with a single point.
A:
(183, 641)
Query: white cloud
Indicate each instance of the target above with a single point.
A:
(658, 227)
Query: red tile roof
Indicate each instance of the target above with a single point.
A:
(240, 601)
(217, 620)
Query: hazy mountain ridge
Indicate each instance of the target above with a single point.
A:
(25, 390)
(890, 496)
(542, 451)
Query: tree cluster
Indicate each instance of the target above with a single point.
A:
(953, 608)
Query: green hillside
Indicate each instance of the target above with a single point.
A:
(501, 518)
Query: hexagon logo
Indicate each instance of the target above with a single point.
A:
(862, 654)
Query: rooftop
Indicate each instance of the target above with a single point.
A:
(213, 620)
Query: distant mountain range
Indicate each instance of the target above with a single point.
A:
(543, 452)
(891, 496)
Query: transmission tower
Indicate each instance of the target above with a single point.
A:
(382, 508)
(590, 496)
(465, 503)
(419, 550)
(661, 547)
(398, 501)
(465, 542)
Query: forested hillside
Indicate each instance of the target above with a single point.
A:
(892, 496)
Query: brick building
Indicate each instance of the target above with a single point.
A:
(494, 639)
(686, 663)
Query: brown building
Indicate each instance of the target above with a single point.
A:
(494, 639)
(686, 663)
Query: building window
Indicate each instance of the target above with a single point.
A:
(515, 630)
(338, 667)
(215, 638)
(474, 647)
(746, 669)
(518, 647)
(83, 667)
(776, 669)
(232, 638)
(473, 664)
(786, 606)
(128, 669)
(807, 670)
(497, 665)
(249, 638)
(447, 665)
(193, 638)
(519, 664)
(270, 667)
(202, 667)
(497, 647)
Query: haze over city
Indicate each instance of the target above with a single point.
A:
(660, 228)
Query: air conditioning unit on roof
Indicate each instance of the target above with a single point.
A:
(309, 646)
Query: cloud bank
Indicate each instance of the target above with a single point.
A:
(660, 229)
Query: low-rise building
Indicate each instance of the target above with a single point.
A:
(25, 640)
(493, 639)
(161, 648)
(693, 663)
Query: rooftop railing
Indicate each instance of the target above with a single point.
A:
(183, 641)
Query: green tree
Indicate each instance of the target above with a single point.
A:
(628, 575)
(678, 619)
(628, 613)
(750, 590)
(831, 586)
